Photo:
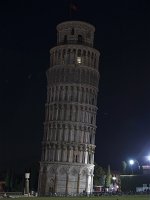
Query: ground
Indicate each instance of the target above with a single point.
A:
(124, 197)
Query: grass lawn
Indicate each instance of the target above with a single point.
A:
(124, 197)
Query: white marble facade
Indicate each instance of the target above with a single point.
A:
(68, 145)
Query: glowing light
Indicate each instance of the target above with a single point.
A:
(114, 178)
(79, 60)
(148, 157)
(131, 162)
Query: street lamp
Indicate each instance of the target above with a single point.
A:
(115, 184)
(114, 180)
(131, 162)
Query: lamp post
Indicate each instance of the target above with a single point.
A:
(114, 180)
(115, 184)
(27, 176)
(131, 163)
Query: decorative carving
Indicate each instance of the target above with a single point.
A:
(52, 171)
(83, 173)
(73, 172)
(62, 171)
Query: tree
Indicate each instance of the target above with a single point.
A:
(99, 175)
(108, 178)
(102, 180)
(124, 167)
(11, 181)
(7, 180)
(34, 174)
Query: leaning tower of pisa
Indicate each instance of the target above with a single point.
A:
(68, 145)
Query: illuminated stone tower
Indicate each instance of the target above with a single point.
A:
(68, 146)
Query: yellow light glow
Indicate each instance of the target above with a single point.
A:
(78, 60)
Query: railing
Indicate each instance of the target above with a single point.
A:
(75, 42)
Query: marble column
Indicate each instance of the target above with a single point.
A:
(91, 190)
(46, 153)
(78, 184)
(56, 178)
(67, 183)
(85, 156)
(88, 184)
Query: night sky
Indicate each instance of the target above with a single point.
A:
(28, 31)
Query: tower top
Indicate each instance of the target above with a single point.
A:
(73, 24)
(75, 32)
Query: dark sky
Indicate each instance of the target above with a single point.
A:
(28, 31)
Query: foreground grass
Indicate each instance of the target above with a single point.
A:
(124, 197)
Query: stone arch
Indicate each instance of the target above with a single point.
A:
(90, 135)
(59, 56)
(75, 155)
(65, 39)
(53, 75)
(44, 169)
(73, 179)
(79, 52)
(65, 91)
(63, 56)
(82, 75)
(56, 56)
(79, 75)
(87, 76)
(73, 75)
(72, 31)
(95, 61)
(51, 59)
(88, 58)
(62, 170)
(92, 59)
(81, 135)
(51, 170)
(92, 96)
(68, 56)
(71, 93)
(84, 56)
(61, 178)
(83, 179)
(51, 186)
(73, 171)
(83, 171)
(80, 38)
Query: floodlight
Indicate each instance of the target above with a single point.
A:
(131, 162)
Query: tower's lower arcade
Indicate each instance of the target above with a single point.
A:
(65, 178)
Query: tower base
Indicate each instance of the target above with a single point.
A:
(65, 178)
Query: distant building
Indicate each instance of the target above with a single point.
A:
(144, 188)
(68, 146)
(146, 169)
(135, 182)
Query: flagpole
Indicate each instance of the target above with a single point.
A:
(72, 8)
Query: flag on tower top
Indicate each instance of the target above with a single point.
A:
(73, 7)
